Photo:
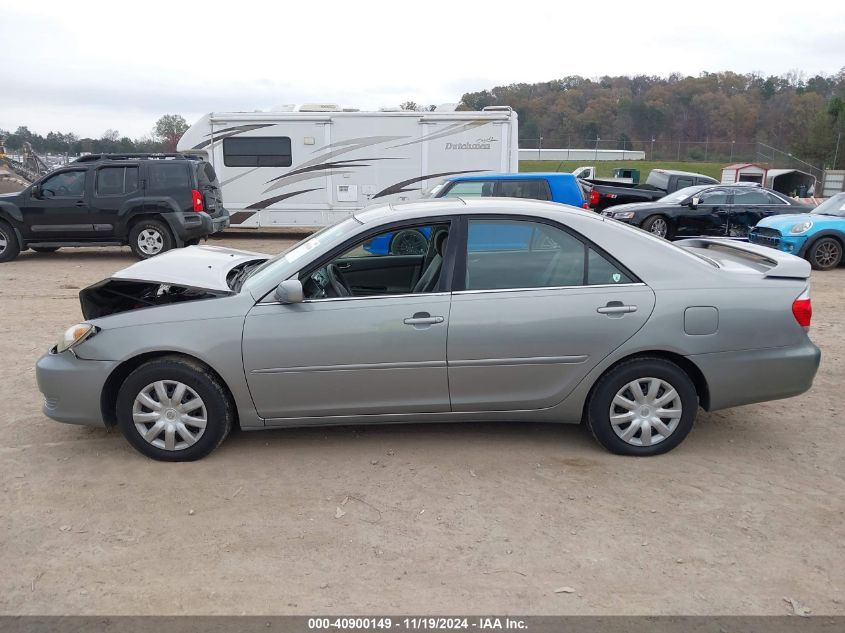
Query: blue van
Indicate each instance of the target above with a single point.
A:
(562, 188)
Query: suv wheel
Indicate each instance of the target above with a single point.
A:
(9, 246)
(408, 242)
(172, 409)
(825, 254)
(149, 238)
(642, 407)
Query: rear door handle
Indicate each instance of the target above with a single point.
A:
(80, 204)
(423, 318)
(616, 308)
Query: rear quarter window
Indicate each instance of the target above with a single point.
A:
(168, 175)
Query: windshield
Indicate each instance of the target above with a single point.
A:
(332, 233)
(832, 206)
(682, 194)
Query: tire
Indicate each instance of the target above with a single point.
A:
(45, 249)
(190, 441)
(657, 225)
(149, 238)
(651, 374)
(825, 253)
(9, 245)
(408, 242)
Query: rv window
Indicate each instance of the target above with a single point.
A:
(254, 151)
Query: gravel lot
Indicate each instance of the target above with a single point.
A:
(466, 518)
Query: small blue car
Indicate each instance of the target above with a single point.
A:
(554, 187)
(818, 236)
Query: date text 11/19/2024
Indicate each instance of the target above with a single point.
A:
(416, 623)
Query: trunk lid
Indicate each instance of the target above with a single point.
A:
(745, 258)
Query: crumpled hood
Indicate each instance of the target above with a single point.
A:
(789, 219)
(193, 267)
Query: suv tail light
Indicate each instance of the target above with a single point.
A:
(196, 198)
(802, 310)
(595, 196)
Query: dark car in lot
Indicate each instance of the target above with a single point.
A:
(712, 210)
(602, 194)
(152, 202)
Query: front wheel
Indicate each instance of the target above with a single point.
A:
(149, 238)
(408, 242)
(657, 225)
(9, 245)
(642, 407)
(825, 254)
(175, 410)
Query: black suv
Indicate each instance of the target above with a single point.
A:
(152, 202)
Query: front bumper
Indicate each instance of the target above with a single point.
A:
(758, 375)
(72, 387)
(792, 244)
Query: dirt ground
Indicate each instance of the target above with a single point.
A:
(464, 518)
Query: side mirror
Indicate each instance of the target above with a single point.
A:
(289, 291)
(694, 202)
(36, 192)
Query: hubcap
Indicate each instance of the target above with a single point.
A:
(410, 244)
(150, 242)
(827, 254)
(658, 227)
(169, 415)
(645, 411)
(3, 242)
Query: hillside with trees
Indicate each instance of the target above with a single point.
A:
(715, 111)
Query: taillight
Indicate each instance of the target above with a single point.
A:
(586, 205)
(196, 198)
(595, 196)
(802, 310)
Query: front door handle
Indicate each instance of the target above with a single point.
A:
(616, 308)
(423, 318)
(80, 204)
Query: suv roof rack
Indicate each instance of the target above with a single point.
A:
(89, 158)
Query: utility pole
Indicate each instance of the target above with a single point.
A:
(651, 155)
(540, 148)
(836, 151)
(597, 146)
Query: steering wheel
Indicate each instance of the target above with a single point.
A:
(337, 282)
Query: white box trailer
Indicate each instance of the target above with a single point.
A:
(316, 164)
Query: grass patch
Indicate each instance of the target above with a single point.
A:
(604, 168)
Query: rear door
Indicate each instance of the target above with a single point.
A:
(62, 213)
(750, 205)
(115, 186)
(536, 309)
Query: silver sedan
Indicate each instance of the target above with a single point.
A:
(513, 310)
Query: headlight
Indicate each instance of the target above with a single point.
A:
(74, 335)
(623, 215)
(801, 227)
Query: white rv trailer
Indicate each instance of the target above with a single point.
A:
(315, 164)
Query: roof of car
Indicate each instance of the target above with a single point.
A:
(487, 205)
(509, 176)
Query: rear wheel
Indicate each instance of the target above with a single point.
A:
(642, 407)
(657, 224)
(825, 253)
(9, 245)
(172, 409)
(149, 238)
(45, 249)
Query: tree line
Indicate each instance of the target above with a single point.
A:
(804, 116)
(163, 138)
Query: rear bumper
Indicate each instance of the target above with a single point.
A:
(191, 226)
(758, 375)
(72, 387)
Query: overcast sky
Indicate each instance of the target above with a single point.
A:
(88, 65)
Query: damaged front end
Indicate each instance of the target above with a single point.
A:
(186, 274)
(112, 296)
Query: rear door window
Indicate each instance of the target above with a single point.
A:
(533, 189)
(168, 175)
(116, 181)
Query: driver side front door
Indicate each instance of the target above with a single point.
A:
(380, 351)
(62, 213)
